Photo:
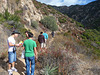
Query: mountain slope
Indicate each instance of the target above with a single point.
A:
(88, 15)
(69, 51)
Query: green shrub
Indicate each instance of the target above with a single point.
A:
(46, 12)
(72, 21)
(15, 18)
(66, 34)
(98, 43)
(79, 24)
(1, 18)
(18, 12)
(59, 13)
(62, 19)
(17, 24)
(49, 7)
(37, 4)
(8, 26)
(49, 70)
(17, 1)
(53, 11)
(50, 23)
(34, 24)
(92, 34)
(6, 14)
(10, 17)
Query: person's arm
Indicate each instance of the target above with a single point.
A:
(47, 36)
(43, 38)
(35, 51)
(10, 44)
(38, 39)
(23, 48)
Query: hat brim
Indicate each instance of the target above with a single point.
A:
(16, 33)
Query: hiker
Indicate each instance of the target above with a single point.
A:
(26, 33)
(46, 37)
(41, 40)
(23, 52)
(30, 53)
(12, 51)
(52, 33)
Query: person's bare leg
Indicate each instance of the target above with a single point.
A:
(13, 64)
(9, 69)
(13, 67)
(9, 66)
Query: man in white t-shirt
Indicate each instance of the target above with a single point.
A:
(12, 52)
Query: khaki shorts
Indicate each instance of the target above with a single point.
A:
(43, 45)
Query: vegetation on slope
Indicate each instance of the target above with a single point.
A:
(12, 22)
(50, 23)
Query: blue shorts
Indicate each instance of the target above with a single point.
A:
(11, 57)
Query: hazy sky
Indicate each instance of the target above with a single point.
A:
(65, 2)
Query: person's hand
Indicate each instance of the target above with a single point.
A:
(17, 45)
(36, 57)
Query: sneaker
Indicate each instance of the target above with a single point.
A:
(14, 69)
(10, 72)
(24, 71)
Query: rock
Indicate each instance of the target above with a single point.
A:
(11, 22)
(29, 11)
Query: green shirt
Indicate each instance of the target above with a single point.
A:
(29, 45)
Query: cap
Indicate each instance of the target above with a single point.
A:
(15, 32)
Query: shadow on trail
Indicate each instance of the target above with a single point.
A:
(3, 64)
(3, 67)
(20, 67)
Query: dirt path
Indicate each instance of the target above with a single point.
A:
(20, 65)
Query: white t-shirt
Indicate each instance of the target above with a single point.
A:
(11, 40)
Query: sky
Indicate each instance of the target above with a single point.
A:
(65, 2)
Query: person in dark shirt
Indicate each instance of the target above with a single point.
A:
(41, 40)
(52, 33)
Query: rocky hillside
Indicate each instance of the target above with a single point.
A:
(24, 8)
(88, 15)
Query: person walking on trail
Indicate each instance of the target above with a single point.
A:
(41, 40)
(12, 51)
(46, 37)
(30, 53)
(52, 33)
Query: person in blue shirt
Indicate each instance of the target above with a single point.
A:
(46, 37)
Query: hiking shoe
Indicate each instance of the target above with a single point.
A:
(10, 72)
(14, 69)
(24, 71)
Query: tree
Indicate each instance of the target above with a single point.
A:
(50, 23)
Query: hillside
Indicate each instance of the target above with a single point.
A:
(88, 15)
(73, 51)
